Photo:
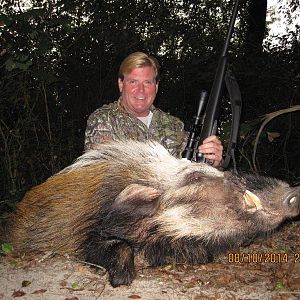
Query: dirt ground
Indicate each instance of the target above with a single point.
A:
(267, 269)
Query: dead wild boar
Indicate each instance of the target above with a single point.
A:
(131, 198)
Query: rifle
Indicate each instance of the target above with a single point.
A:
(210, 117)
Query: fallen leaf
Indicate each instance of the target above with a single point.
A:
(25, 283)
(134, 297)
(168, 268)
(39, 291)
(18, 293)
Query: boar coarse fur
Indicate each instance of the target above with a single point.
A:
(130, 198)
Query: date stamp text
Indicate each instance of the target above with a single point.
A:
(263, 257)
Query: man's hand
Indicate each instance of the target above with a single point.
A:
(212, 150)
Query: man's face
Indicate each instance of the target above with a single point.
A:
(138, 90)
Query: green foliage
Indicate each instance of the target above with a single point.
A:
(7, 248)
(279, 286)
(75, 285)
(59, 61)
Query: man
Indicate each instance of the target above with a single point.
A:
(134, 116)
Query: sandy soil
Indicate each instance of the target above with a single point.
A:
(271, 270)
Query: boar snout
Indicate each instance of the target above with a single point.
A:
(292, 201)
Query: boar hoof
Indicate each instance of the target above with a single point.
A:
(122, 277)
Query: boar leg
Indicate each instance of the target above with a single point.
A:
(117, 257)
(165, 251)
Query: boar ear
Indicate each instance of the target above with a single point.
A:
(141, 199)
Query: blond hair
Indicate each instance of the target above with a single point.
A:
(138, 60)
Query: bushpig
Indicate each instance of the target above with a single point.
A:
(132, 199)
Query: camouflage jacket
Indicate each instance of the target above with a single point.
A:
(112, 122)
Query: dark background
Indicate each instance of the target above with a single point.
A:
(59, 62)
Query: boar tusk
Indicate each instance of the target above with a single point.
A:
(251, 200)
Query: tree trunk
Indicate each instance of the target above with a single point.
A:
(256, 26)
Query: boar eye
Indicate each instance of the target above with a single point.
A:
(193, 177)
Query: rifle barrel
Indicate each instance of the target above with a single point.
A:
(217, 87)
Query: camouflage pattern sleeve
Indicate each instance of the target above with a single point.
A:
(98, 129)
(181, 137)
(169, 131)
